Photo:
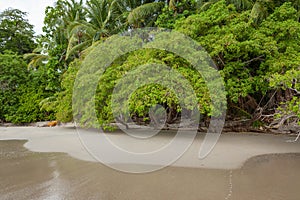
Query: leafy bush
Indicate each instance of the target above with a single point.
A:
(21, 91)
(13, 75)
(247, 54)
(148, 95)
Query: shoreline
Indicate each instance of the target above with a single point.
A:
(232, 151)
(226, 130)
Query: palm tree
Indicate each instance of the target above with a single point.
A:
(58, 18)
(56, 21)
(83, 33)
(107, 17)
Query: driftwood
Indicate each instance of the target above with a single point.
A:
(296, 139)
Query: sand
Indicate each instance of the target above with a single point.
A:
(272, 172)
(231, 151)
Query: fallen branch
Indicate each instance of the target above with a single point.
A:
(282, 121)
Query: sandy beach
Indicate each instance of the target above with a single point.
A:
(231, 151)
(52, 164)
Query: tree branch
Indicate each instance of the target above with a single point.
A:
(297, 93)
(254, 59)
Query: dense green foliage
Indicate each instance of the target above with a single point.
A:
(246, 54)
(151, 94)
(16, 34)
(12, 75)
(255, 46)
(21, 91)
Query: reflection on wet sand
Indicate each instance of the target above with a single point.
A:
(30, 175)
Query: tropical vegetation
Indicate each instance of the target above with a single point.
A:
(254, 44)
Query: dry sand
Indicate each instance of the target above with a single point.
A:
(231, 151)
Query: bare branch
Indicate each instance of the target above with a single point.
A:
(297, 93)
(254, 59)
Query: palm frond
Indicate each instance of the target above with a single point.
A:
(38, 50)
(204, 6)
(49, 104)
(36, 58)
(73, 49)
(259, 11)
(80, 27)
(142, 12)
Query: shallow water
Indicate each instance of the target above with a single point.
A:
(31, 175)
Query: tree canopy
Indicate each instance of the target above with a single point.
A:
(16, 33)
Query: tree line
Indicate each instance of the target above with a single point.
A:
(255, 46)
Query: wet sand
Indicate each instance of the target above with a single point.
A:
(52, 163)
(55, 176)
